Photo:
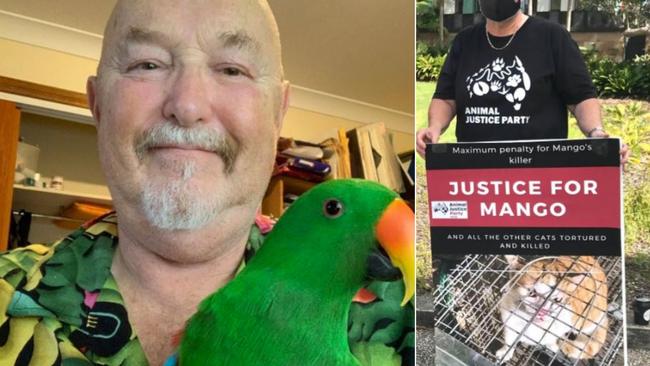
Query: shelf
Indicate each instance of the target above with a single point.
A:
(51, 201)
(273, 203)
(296, 186)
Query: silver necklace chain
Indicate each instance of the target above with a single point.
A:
(487, 35)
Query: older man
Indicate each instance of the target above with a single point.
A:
(189, 99)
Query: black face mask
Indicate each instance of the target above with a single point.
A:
(498, 10)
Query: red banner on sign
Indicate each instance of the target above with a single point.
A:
(525, 197)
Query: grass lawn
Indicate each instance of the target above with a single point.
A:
(423, 93)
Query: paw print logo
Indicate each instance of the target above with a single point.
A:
(440, 207)
(498, 65)
(513, 81)
(516, 98)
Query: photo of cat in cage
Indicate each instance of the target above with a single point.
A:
(533, 311)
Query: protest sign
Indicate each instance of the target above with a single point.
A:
(526, 237)
(543, 198)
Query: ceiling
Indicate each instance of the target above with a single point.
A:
(361, 50)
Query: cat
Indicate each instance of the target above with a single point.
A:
(552, 300)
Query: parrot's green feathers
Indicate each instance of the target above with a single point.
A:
(290, 304)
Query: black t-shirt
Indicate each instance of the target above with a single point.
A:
(520, 92)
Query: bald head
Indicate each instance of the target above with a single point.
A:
(209, 67)
(202, 24)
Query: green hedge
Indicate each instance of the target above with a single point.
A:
(629, 120)
(429, 60)
(627, 79)
(428, 67)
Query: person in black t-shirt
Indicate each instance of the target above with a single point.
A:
(513, 78)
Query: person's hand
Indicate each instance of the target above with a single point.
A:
(426, 135)
(625, 150)
(625, 154)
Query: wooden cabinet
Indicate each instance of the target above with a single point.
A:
(273, 202)
(9, 127)
(59, 122)
(67, 149)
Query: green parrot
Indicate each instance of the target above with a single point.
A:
(290, 304)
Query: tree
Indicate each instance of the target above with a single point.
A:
(430, 17)
(427, 15)
(637, 17)
(569, 13)
(634, 14)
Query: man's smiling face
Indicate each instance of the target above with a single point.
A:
(189, 101)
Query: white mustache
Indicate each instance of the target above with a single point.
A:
(202, 137)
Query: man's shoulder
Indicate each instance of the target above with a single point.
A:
(81, 259)
(17, 266)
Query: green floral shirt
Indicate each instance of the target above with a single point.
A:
(60, 305)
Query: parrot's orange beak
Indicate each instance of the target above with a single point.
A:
(395, 232)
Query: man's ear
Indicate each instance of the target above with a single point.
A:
(284, 104)
(91, 92)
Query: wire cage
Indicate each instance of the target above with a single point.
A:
(471, 325)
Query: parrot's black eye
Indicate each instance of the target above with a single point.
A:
(333, 208)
